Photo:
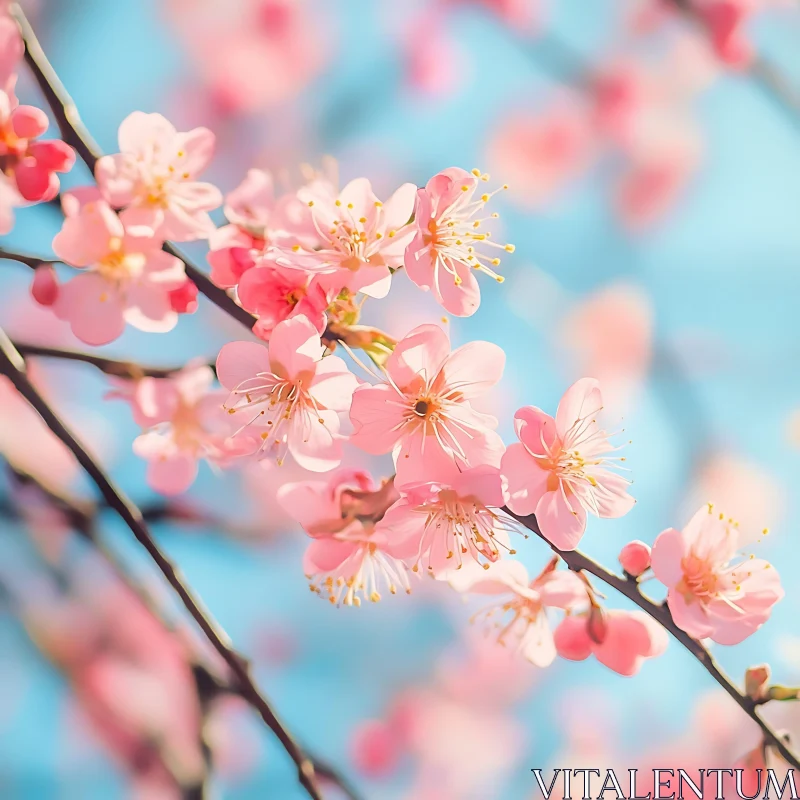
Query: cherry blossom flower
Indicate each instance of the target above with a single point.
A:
(30, 165)
(448, 242)
(289, 393)
(276, 293)
(154, 178)
(185, 423)
(127, 278)
(422, 412)
(258, 222)
(629, 638)
(545, 151)
(453, 517)
(560, 469)
(351, 556)
(361, 239)
(526, 601)
(711, 595)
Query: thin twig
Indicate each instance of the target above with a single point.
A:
(13, 366)
(578, 562)
(110, 366)
(28, 259)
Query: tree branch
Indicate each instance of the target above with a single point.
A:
(578, 562)
(13, 366)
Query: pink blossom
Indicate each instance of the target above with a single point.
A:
(361, 239)
(30, 164)
(544, 151)
(452, 517)
(710, 597)
(258, 222)
(352, 556)
(629, 638)
(154, 178)
(448, 240)
(185, 423)
(422, 412)
(127, 278)
(276, 293)
(522, 617)
(289, 393)
(610, 334)
(725, 21)
(635, 558)
(375, 748)
(44, 286)
(560, 468)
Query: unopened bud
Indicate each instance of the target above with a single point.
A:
(756, 680)
(783, 693)
(635, 558)
(44, 288)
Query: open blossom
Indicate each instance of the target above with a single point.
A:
(361, 239)
(289, 393)
(154, 178)
(453, 518)
(422, 412)
(712, 593)
(628, 639)
(559, 470)
(276, 293)
(351, 556)
(259, 221)
(521, 613)
(449, 242)
(185, 423)
(126, 278)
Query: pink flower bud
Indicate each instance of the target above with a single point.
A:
(44, 288)
(35, 183)
(375, 749)
(572, 639)
(184, 299)
(756, 680)
(635, 558)
(29, 122)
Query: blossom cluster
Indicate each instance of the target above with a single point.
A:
(302, 262)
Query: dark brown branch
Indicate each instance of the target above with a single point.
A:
(13, 366)
(110, 366)
(28, 259)
(578, 562)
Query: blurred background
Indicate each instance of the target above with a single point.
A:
(653, 159)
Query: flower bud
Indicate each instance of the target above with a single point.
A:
(756, 680)
(635, 558)
(44, 288)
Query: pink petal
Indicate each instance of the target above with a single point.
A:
(85, 237)
(582, 399)
(333, 384)
(537, 644)
(666, 556)
(375, 414)
(139, 131)
(473, 368)
(535, 429)
(459, 299)
(418, 356)
(689, 617)
(309, 503)
(572, 640)
(561, 524)
(562, 589)
(93, 307)
(198, 146)
(525, 480)
(611, 494)
(240, 361)
(173, 475)
(502, 577)
(325, 555)
(314, 441)
(397, 210)
(295, 348)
